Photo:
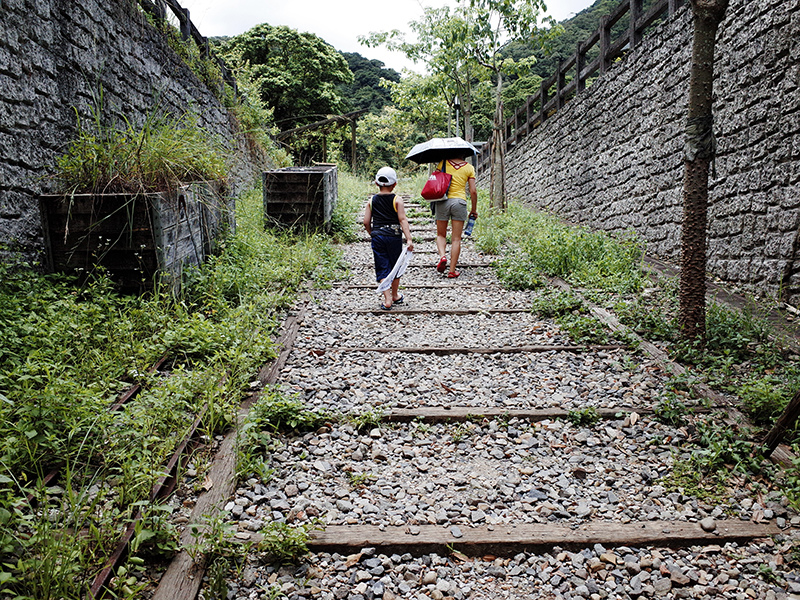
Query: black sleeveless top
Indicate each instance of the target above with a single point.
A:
(384, 215)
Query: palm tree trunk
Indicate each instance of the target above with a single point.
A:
(699, 153)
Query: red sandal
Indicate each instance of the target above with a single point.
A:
(453, 274)
(442, 264)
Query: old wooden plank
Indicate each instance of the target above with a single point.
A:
(467, 413)
(443, 350)
(412, 286)
(436, 311)
(510, 540)
(461, 265)
(435, 414)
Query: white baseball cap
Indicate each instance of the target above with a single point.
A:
(386, 176)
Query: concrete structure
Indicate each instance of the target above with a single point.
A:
(612, 158)
(56, 58)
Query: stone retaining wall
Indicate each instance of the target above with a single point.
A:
(612, 158)
(55, 58)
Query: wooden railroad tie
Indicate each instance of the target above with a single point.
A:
(508, 540)
(445, 350)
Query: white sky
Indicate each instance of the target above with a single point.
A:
(337, 22)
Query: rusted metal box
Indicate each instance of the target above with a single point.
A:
(135, 237)
(301, 196)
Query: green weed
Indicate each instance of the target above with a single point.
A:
(583, 329)
(539, 244)
(285, 544)
(155, 156)
(364, 420)
(583, 417)
(555, 303)
(670, 410)
(688, 480)
(68, 350)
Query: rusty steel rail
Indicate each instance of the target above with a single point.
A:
(161, 490)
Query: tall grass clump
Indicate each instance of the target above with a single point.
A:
(353, 193)
(534, 243)
(67, 351)
(130, 158)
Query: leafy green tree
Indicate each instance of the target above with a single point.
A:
(442, 44)
(494, 24)
(296, 74)
(421, 99)
(385, 138)
(367, 90)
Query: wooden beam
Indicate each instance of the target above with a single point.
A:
(445, 350)
(435, 311)
(505, 540)
(345, 118)
(436, 414)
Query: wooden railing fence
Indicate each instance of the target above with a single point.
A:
(572, 74)
(158, 9)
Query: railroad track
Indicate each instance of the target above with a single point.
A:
(475, 478)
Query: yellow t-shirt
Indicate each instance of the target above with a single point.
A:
(461, 174)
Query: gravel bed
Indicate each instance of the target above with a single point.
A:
(490, 472)
(421, 269)
(732, 571)
(346, 381)
(341, 299)
(471, 474)
(485, 330)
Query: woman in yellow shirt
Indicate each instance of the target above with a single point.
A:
(454, 209)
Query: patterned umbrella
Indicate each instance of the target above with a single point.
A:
(438, 149)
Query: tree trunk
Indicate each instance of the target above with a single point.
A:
(498, 184)
(699, 153)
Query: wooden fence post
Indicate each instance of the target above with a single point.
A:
(580, 63)
(186, 25)
(635, 36)
(605, 44)
(560, 79)
(543, 103)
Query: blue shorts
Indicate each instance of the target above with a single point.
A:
(386, 249)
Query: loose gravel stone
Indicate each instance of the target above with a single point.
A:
(485, 472)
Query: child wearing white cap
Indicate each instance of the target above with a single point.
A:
(384, 218)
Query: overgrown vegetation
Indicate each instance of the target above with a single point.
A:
(107, 157)
(535, 244)
(744, 355)
(67, 351)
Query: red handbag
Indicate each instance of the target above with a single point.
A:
(437, 185)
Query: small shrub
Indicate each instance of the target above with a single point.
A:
(763, 399)
(554, 303)
(284, 544)
(583, 329)
(155, 156)
(670, 410)
(583, 417)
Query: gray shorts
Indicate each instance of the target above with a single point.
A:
(451, 208)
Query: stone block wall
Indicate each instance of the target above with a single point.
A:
(612, 157)
(55, 58)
